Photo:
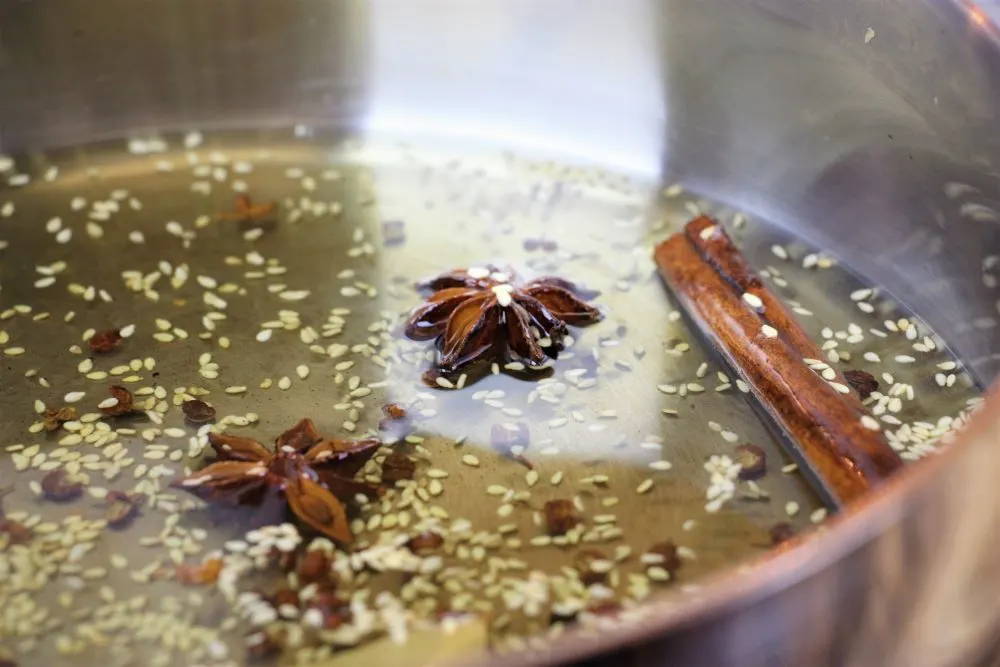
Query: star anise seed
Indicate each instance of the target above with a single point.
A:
(425, 543)
(106, 341)
(397, 466)
(753, 461)
(667, 556)
(123, 404)
(862, 382)
(584, 562)
(57, 486)
(197, 412)
(122, 508)
(560, 516)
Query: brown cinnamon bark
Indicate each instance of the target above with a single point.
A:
(822, 425)
(717, 248)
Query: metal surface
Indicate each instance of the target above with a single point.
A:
(865, 127)
(782, 109)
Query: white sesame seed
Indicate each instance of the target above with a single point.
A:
(74, 396)
(769, 331)
(870, 423)
(753, 301)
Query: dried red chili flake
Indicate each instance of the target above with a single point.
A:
(283, 597)
(604, 608)
(397, 466)
(197, 412)
(313, 566)
(335, 610)
(7, 662)
(245, 211)
(52, 420)
(15, 532)
(262, 645)
(781, 532)
(863, 382)
(200, 574)
(122, 508)
(57, 486)
(753, 461)
(124, 399)
(511, 440)
(282, 560)
(584, 561)
(669, 559)
(396, 422)
(105, 341)
(425, 543)
(560, 516)
(394, 411)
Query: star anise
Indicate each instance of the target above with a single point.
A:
(313, 474)
(483, 314)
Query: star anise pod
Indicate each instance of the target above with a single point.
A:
(482, 314)
(314, 475)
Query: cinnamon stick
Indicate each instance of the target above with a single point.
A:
(717, 248)
(822, 425)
